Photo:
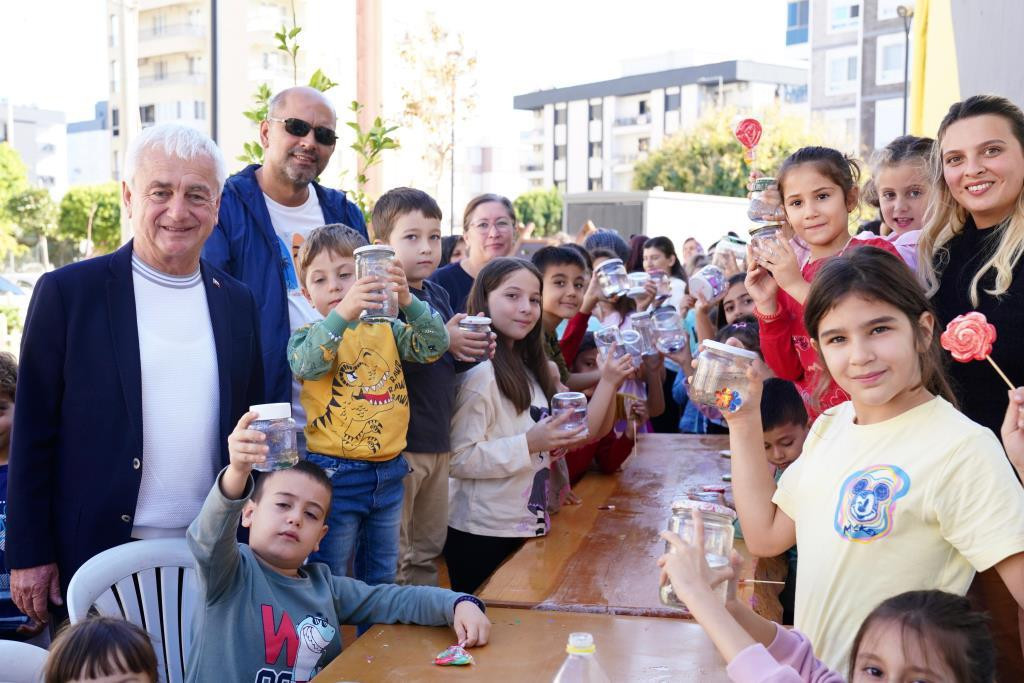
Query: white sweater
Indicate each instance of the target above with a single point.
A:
(180, 400)
(496, 486)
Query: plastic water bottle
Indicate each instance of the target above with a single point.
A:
(581, 666)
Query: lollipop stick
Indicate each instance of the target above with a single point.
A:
(1001, 373)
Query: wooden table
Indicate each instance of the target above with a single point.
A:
(600, 556)
(530, 646)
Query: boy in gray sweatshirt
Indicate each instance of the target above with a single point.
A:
(264, 613)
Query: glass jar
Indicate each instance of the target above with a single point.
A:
(611, 276)
(605, 337)
(633, 344)
(275, 421)
(479, 324)
(759, 210)
(765, 241)
(718, 538)
(374, 260)
(669, 334)
(637, 284)
(720, 379)
(644, 324)
(708, 282)
(572, 402)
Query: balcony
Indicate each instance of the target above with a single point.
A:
(638, 120)
(532, 134)
(164, 40)
(532, 167)
(628, 159)
(173, 78)
(154, 32)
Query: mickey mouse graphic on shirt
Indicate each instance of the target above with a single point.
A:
(866, 509)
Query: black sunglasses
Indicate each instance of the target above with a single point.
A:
(300, 129)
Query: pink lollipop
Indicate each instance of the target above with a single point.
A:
(970, 337)
(748, 132)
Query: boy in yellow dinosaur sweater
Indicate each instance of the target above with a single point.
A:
(356, 402)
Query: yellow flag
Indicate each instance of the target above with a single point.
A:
(934, 77)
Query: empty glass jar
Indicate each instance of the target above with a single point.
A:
(572, 402)
(718, 539)
(275, 421)
(476, 323)
(765, 241)
(611, 276)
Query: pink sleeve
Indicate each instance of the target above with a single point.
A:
(789, 659)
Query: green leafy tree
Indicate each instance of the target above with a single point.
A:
(92, 214)
(34, 215)
(13, 179)
(707, 159)
(543, 208)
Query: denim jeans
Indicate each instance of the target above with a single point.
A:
(365, 517)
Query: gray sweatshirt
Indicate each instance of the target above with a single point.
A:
(253, 624)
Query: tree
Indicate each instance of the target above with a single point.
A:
(92, 213)
(443, 93)
(707, 159)
(13, 179)
(34, 214)
(543, 208)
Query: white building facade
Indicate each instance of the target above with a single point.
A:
(588, 137)
(40, 137)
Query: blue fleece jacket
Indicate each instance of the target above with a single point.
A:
(245, 245)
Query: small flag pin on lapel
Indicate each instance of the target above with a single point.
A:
(215, 282)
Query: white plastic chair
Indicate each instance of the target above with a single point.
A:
(21, 662)
(150, 583)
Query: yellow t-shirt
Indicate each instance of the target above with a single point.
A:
(360, 409)
(920, 501)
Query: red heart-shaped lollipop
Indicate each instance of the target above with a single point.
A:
(748, 132)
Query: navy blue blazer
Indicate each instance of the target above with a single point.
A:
(76, 447)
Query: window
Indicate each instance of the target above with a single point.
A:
(147, 114)
(195, 17)
(596, 111)
(797, 13)
(159, 70)
(794, 94)
(841, 128)
(643, 145)
(116, 169)
(596, 150)
(560, 186)
(200, 110)
(560, 116)
(159, 24)
(595, 185)
(644, 107)
(115, 122)
(672, 101)
(888, 120)
(47, 180)
(194, 65)
(889, 54)
(841, 69)
(559, 152)
(887, 8)
(115, 77)
(113, 30)
(843, 15)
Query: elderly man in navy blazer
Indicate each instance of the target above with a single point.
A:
(135, 367)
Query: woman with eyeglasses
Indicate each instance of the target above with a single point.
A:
(489, 229)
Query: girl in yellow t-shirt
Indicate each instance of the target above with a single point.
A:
(895, 490)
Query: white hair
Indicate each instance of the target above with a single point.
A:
(177, 140)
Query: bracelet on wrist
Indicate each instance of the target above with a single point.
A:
(470, 598)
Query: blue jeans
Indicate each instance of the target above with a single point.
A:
(365, 517)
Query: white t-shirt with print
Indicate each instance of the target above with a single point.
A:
(292, 224)
(920, 501)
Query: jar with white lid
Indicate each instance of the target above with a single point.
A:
(374, 260)
(718, 539)
(720, 379)
(611, 276)
(479, 324)
(275, 421)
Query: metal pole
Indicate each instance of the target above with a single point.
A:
(451, 198)
(905, 13)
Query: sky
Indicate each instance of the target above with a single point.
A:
(521, 46)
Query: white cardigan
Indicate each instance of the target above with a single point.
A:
(496, 487)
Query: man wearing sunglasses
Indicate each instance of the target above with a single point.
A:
(265, 214)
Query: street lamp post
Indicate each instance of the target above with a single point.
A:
(906, 14)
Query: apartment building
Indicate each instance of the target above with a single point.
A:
(857, 71)
(89, 149)
(588, 137)
(40, 138)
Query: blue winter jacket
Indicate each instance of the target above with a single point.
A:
(245, 245)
